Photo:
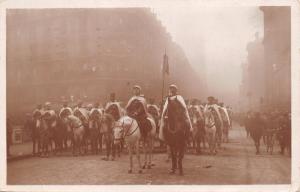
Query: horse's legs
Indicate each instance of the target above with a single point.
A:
(100, 142)
(39, 146)
(107, 146)
(145, 153)
(130, 158)
(173, 157)
(74, 146)
(113, 149)
(257, 143)
(138, 156)
(151, 152)
(198, 148)
(119, 149)
(180, 157)
(33, 145)
(96, 144)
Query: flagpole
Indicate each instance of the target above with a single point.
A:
(163, 82)
(163, 88)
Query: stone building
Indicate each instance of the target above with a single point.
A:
(253, 80)
(89, 53)
(266, 75)
(277, 47)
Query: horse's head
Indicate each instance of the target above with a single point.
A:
(37, 115)
(152, 110)
(95, 115)
(65, 113)
(114, 111)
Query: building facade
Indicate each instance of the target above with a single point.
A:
(277, 48)
(253, 87)
(266, 83)
(89, 53)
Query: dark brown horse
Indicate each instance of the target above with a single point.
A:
(176, 132)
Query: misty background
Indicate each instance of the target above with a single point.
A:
(214, 40)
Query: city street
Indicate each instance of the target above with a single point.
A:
(236, 164)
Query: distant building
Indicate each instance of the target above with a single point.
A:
(252, 88)
(266, 75)
(88, 53)
(277, 46)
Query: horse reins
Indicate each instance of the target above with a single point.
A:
(126, 134)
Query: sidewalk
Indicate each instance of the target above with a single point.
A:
(24, 150)
(19, 151)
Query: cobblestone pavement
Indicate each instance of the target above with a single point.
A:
(236, 164)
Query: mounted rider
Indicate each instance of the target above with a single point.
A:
(65, 109)
(212, 105)
(139, 114)
(225, 115)
(50, 114)
(82, 113)
(39, 110)
(173, 95)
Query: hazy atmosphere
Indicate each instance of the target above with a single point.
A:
(132, 93)
(214, 40)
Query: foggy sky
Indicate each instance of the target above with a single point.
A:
(214, 40)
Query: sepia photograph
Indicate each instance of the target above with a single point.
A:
(155, 94)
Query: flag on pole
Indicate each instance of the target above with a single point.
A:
(165, 64)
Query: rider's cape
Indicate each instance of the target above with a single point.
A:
(65, 108)
(139, 98)
(37, 111)
(226, 114)
(75, 120)
(83, 111)
(181, 100)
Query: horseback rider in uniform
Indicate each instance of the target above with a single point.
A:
(65, 108)
(139, 113)
(173, 95)
(51, 112)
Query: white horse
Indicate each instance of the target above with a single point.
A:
(210, 130)
(127, 128)
(75, 124)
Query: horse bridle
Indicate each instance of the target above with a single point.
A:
(126, 133)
